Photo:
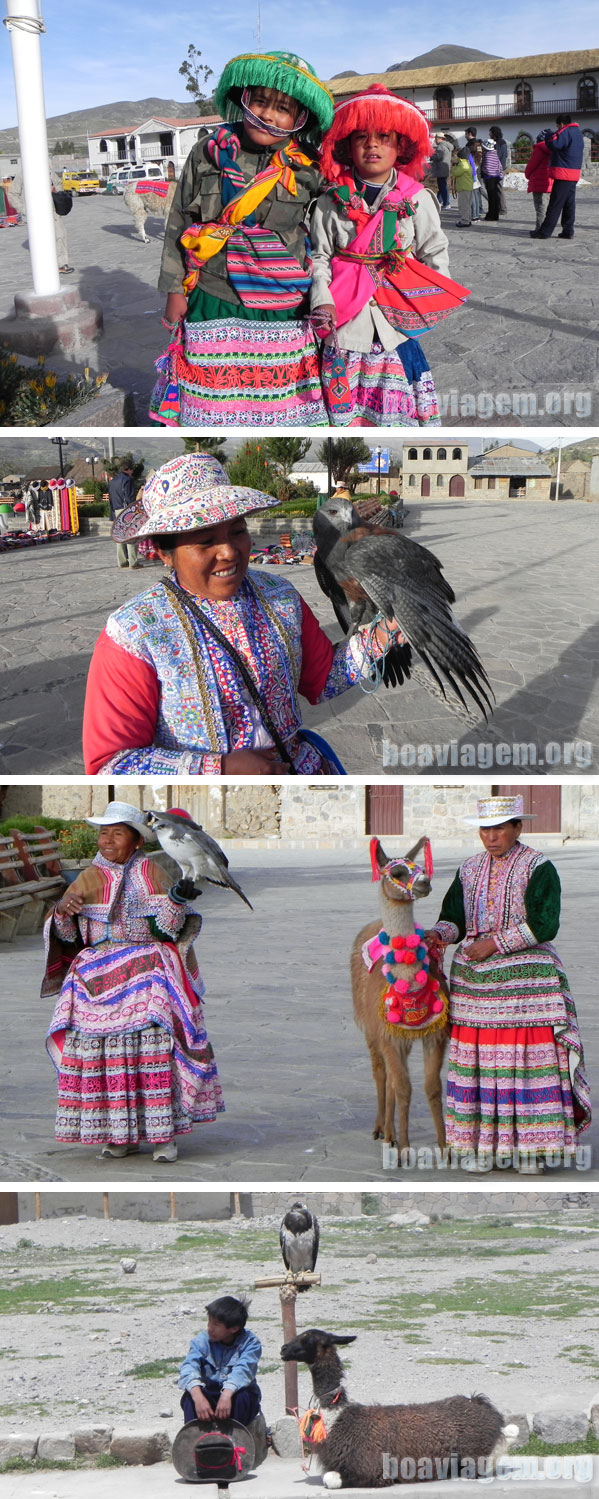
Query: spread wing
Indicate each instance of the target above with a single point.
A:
(388, 572)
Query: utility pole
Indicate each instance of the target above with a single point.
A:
(559, 467)
(60, 443)
(24, 23)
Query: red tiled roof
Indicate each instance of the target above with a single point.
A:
(160, 120)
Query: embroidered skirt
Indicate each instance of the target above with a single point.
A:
(119, 1089)
(231, 372)
(388, 388)
(509, 1087)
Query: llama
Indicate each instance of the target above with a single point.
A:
(147, 205)
(374, 1446)
(390, 1044)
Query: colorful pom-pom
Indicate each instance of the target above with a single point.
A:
(409, 957)
(398, 943)
(421, 953)
(384, 939)
(413, 940)
(402, 986)
(420, 976)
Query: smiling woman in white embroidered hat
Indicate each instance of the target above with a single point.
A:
(516, 1087)
(200, 674)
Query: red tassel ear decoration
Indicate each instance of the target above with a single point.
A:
(428, 859)
(374, 847)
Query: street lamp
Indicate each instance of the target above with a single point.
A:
(378, 451)
(93, 460)
(60, 442)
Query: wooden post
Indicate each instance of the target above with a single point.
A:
(172, 1203)
(9, 1207)
(106, 1204)
(236, 1204)
(37, 1200)
(288, 1297)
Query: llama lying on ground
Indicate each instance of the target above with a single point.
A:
(374, 1446)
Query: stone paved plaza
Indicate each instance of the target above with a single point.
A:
(296, 1075)
(525, 576)
(527, 336)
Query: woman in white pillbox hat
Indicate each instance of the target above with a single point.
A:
(127, 1036)
(516, 1081)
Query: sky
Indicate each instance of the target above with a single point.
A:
(98, 51)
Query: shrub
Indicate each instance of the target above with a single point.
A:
(77, 840)
(31, 397)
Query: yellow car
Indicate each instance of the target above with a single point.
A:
(80, 182)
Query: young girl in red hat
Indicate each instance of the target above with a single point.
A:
(380, 264)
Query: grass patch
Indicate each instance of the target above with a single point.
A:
(157, 1368)
(430, 1361)
(61, 1465)
(534, 1447)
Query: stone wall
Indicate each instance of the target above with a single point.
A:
(321, 815)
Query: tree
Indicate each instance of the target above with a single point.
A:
(205, 445)
(252, 467)
(114, 465)
(196, 74)
(64, 148)
(346, 453)
(285, 451)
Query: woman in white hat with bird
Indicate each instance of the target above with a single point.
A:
(127, 1036)
(516, 1083)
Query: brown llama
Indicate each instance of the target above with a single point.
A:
(375, 1446)
(390, 1041)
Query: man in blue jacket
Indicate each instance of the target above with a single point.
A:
(567, 150)
(218, 1377)
(121, 492)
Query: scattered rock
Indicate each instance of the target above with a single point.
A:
(90, 1440)
(556, 1425)
(411, 1219)
(286, 1438)
(372, 1259)
(595, 1417)
(128, 1266)
(258, 1429)
(140, 1448)
(523, 1424)
(59, 1446)
(17, 1445)
(165, 1415)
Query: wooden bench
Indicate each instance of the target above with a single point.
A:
(31, 879)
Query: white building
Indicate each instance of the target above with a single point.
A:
(521, 94)
(316, 473)
(161, 141)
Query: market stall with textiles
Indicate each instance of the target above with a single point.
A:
(50, 512)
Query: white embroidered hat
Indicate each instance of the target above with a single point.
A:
(186, 494)
(123, 812)
(494, 810)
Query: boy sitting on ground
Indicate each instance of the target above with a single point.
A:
(218, 1377)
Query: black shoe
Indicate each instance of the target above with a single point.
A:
(536, 234)
(565, 236)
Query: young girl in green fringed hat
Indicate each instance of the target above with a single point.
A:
(236, 264)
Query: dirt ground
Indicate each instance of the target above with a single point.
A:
(507, 1306)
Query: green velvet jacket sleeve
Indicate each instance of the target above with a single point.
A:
(451, 925)
(542, 903)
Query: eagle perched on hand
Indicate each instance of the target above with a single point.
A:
(198, 855)
(299, 1237)
(369, 572)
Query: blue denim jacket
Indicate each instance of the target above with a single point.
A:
(230, 1365)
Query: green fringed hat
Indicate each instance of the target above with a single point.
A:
(283, 71)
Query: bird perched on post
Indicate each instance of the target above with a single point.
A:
(198, 855)
(299, 1237)
(373, 573)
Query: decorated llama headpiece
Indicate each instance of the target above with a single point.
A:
(407, 862)
(376, 108)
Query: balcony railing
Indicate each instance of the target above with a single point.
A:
(157, 153)
(113, 157)
(444, 113)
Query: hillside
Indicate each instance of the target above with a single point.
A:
(124, 115)
(441, 57)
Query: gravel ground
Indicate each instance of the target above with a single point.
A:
(499, 1305)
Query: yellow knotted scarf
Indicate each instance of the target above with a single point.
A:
(202, 241)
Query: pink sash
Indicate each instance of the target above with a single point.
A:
(352, 285)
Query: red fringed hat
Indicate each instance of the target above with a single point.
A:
(377, 109)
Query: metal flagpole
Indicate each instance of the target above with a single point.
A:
(24, 22)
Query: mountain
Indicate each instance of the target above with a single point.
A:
(124, 115)
(441, 57)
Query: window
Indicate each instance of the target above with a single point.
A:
(412, 453)
(440, 481)
(427, 454)
(412, 481)
(586, 93)
(491, 482)
(444, 103)
(103, 146)
(441, 455)
(478, 483)
(523, 98)
(457, 453)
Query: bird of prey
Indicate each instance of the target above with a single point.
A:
(370, 571)
(198, 855)
(299, 1237)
